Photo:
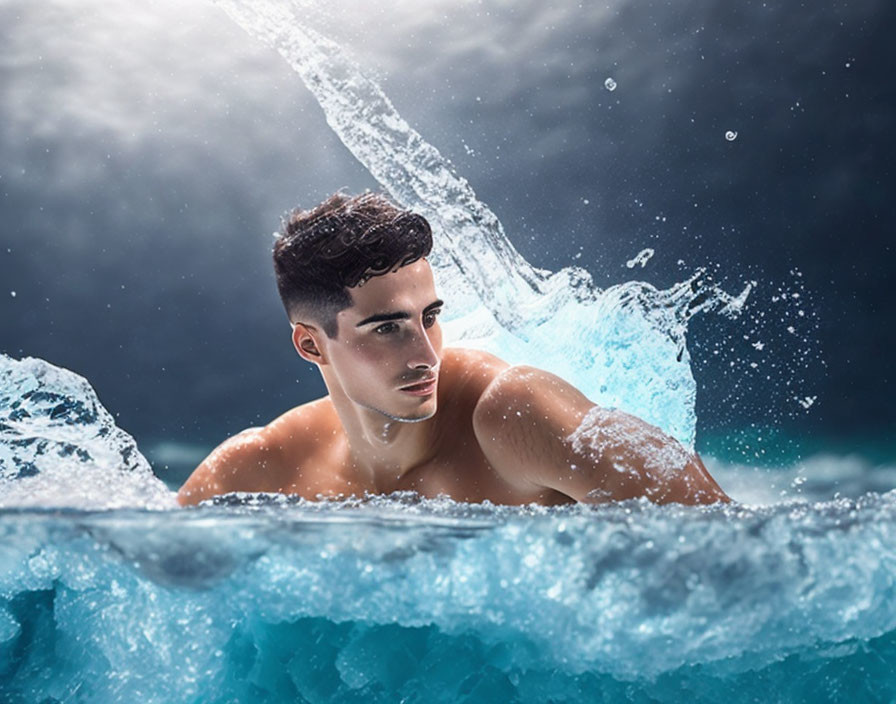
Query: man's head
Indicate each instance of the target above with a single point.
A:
(340, 244)
(360, 294)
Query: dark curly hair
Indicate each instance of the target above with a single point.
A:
(341, 243)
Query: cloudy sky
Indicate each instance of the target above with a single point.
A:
(148, 151)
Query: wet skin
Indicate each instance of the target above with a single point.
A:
(403, 413)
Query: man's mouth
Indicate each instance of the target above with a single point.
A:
(421, 388)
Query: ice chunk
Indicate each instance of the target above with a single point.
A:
(60, 447)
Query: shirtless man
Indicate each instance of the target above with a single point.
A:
(404, 414)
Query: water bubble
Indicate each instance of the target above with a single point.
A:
(610, 84)
(12, 293)
(731, 135)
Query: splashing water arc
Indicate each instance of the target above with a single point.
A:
(623, 347)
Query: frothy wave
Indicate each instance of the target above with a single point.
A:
(629, 592)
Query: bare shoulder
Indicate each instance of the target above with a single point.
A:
(536, 429)
(521, 421)
(469, 372)
(267, 458)
(226, 468)
(306, 427)
(523, 390)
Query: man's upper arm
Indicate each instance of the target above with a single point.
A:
(232, 466)
(539, 431)
(521, 421)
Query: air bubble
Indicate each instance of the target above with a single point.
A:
(731, 135)
(610, 84)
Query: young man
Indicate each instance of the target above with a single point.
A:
(404, 414)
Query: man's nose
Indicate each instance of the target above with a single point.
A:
(424, 354)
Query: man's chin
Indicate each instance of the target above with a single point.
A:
(415, 418)
(421, 415)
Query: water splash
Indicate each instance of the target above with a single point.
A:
(60, 447)
(623, 347)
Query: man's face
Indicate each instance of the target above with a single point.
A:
(389, 345)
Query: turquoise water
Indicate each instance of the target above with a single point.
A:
(400, 600)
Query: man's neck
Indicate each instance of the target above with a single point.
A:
(381, 448)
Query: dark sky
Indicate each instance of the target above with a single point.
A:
(148, 152)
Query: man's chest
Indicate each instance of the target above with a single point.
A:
(459, 471)
(464, 474)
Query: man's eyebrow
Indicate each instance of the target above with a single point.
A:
(398, 315)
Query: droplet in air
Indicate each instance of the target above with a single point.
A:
(731, 135)
(641, 258)
(610, 84)
(807, 401)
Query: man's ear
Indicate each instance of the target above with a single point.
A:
(304, 339)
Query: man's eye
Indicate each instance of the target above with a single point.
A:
(385, 328)
(430, 318)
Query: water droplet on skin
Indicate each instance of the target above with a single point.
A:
(731, 135)
(610, 84)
